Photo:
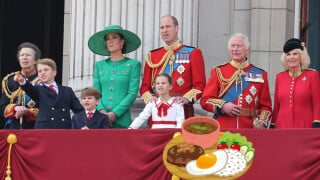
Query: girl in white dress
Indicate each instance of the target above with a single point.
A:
(165, 112)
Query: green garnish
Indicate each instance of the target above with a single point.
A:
(200, 127)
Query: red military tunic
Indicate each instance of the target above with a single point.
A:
(296, 100)
(254, 98)
(188, 72)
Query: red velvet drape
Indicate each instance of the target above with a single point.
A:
(137, 154)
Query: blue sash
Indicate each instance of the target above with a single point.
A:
(182, 54)
(233, 93)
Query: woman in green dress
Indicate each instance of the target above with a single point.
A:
(117, 78)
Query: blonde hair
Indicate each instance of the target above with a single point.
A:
(304, 62)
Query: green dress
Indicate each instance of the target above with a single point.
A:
(118, 84)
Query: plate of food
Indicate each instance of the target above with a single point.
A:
(227, 156)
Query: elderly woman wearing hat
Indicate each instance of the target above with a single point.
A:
(117, 78)
(297, 98)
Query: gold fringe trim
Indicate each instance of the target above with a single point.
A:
(192, 95)
(11, 139)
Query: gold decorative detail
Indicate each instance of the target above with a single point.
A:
(192, 95)
(216, 103)
(146, 96)
(180, 81)
(295, 75)
(8, 112)
(11, 139)
(239, 65)
(169, 56)
(264, 115)
(226, 83)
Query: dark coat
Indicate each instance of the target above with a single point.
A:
(97, 121)
(10, 95)
(54, 110)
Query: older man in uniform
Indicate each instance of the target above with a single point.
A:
(237, 92)
(183, 63)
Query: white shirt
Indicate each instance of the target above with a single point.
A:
(175, 113)
(87, 112)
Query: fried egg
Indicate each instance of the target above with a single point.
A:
(207, 163)
(236, 163)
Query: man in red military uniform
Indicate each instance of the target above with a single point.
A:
(184, 64)
(237, 92)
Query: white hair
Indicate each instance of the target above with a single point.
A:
(245, 37)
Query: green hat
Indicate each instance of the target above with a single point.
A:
(97, 43)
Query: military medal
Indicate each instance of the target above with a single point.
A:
(101, 73)
(181, 69)
(253, 77)
(180, 81)
(128, 65)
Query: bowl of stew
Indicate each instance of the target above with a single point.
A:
(200, 130)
